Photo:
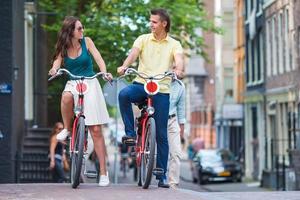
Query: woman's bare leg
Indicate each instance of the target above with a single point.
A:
(67, 104)
(99, 146)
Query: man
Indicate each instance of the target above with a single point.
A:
(176, 130)
(157, 53)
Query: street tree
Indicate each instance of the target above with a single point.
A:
(115, 24)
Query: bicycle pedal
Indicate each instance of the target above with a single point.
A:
(128, 141)
(157, 171)
(90, 174)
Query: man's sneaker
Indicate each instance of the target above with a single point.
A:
(104, 180)
(62, 135)
(173, 186)
(163, 183)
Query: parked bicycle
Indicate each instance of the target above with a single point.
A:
(145, 144)
(78, 140)
(124, 154)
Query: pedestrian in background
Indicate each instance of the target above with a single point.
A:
(176, 131)
(57, 154)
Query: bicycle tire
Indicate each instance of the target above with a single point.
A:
(147, 162)
(138, 162)
(77, 154)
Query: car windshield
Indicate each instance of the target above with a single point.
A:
(216, 156)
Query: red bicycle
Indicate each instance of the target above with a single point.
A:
(145, 144)
(78, 140)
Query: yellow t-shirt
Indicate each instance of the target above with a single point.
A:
(156, 57)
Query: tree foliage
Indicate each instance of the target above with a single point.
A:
(115, 24)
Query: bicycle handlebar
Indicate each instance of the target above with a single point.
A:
(62, 71)
(144, 76)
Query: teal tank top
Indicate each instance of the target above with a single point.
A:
(82, 65)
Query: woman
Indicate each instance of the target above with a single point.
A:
(73, 52)
(56, 154)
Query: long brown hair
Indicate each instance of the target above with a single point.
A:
(55, 129)
(64, 39)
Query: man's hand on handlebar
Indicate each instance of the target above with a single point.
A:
(121, 70)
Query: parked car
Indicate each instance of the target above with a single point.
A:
(215, 164)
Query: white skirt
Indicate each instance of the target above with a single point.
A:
(95, 110)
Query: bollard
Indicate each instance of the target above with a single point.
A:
(283, 175)
(277, 172)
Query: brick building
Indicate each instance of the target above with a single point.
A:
(201, 90)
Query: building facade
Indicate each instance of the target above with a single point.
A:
(255, 86)
(11, 87)
(23, 81)
(281, 85)
(229, 112)
(201, 90)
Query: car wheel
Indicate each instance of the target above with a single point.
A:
(195, 180)
(201, 180)
(237, 177)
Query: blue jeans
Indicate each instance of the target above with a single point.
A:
(58, 171)
(135, 93)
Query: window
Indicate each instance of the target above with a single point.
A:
(249, 8)
(274, 47)
(280, 44)
(293, 52)
(252, 3)
(269, 48)
(261, 57)
(298, 42)
(287, 41)
(249, 61)
(255, 60)
(246, 10)
(229, 33)
(253, 57)
(258, 6)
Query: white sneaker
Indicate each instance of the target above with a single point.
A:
(62, 135)
(104, 180)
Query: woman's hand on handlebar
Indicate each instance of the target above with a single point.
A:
(52, 71)
(108, 77)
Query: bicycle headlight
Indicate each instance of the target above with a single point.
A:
(151, 87)
(150, 110)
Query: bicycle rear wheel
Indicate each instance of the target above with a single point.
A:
(148, 156)
(77, 154)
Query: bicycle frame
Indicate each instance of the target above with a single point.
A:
(80, 138)
(79, 107)
(150, 80)
(145, 117)
(78, 110)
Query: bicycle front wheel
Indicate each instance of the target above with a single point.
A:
(148, 156)
(77, 153)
